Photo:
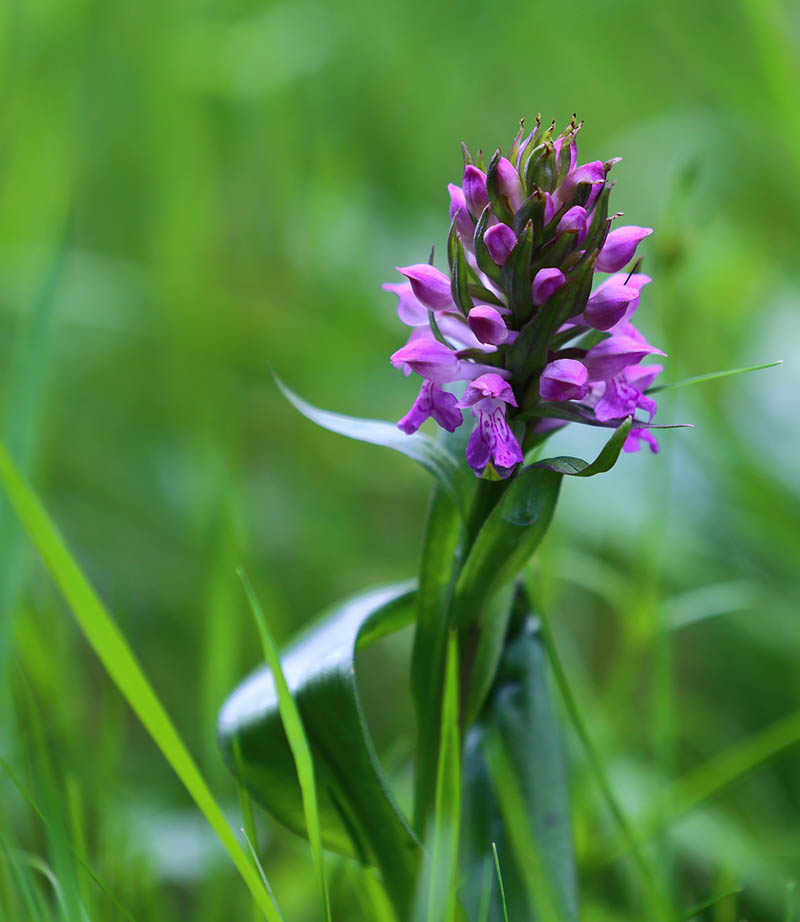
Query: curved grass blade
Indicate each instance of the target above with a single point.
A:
(357, 814)
(425, 451)
(295, 734)
(500, 882)
(707, 904)
(113, 651)
(711, 376)
(575, 467)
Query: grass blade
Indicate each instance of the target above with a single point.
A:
(500, 882)
(113, 651)
(295, 733)
(712, 376)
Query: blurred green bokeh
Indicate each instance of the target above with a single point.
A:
(192, 192)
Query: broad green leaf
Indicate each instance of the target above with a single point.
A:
(508, 537)
(357, 813)
(515, 779)
(438, 564)
(437, 895)
(452, 475)
(575, 467)
(711, 376)
(296, 737)
(115, 654)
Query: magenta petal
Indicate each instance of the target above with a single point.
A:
(487, 324)
(490, 386)
(620, 246)
(573, 152)
(642, 376)
(409, 310)
(573, 222)
(430, 359)
(615, 354)
(545, 283)
(429, 285)
(500, 240)
(458, 206)
(593, 173)
(474, 186)
(432, 401)
(479, 450)
(609, 304)
(492, 439)
(505, 447)
(636, 437)
(564, 379)
(509, 184)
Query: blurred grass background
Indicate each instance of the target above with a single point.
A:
(190, 191)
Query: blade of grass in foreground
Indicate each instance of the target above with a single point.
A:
(120, 663)
(712, 376)
(298, 743)
(28, 797)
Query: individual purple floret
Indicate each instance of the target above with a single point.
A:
(492, 439)
(536, 308)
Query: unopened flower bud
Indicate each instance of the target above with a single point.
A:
(488, 325)
(458, 206)
(474, 186)
(430, 359)
(608, 305)
(545, 283)
(500, 240)
(593, 173)
(564, 379)
(430, 286)
(509, 184)
(620, 246)
(573, 222)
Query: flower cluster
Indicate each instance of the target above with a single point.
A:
(521, 316)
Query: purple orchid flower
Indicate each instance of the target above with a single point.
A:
(483, 311)
(492, 439)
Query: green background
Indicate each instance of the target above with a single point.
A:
(190, 193)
